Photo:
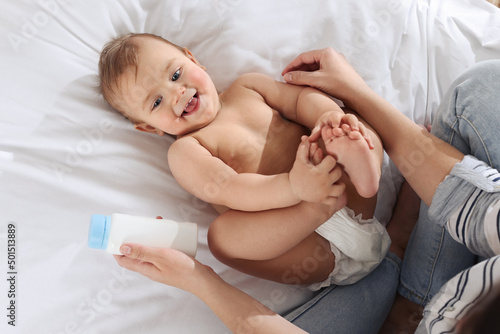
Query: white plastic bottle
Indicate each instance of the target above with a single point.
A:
(110, 232)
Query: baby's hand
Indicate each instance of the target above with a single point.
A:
(316, 154)
(313, 177)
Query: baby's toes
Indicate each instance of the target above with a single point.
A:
(337, 132)
(355, 135)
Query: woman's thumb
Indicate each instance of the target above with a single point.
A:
(134, 251)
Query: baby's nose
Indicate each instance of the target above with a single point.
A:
(178, 93)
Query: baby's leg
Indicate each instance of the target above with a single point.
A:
(308, 262)
(360, 163)
(264, 235)
(278, 245)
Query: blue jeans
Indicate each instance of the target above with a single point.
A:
(358, 308)
(468, 119)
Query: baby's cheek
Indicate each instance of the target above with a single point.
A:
(201, 78)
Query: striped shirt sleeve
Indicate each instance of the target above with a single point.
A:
(467, 202)
(458, 296)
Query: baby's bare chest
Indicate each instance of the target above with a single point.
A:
(256, 139)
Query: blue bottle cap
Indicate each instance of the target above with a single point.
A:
(100, 226)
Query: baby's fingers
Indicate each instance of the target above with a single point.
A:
(315, 133)
(315, 154)
(337, 190)
(335, 175)
(328, 164)
(303, 151)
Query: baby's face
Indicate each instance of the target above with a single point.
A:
(170, 92)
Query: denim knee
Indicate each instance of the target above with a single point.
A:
(468, 117)
(482, 73)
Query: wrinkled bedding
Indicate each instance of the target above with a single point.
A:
(65, 154)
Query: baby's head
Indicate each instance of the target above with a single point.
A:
(158, 85)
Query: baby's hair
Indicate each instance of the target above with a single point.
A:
(118, 55)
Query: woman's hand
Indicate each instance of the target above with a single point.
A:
(239, 311)
(328, 71)
(164, 265)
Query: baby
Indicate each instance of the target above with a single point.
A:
(246, 151)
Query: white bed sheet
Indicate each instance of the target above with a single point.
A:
(65, 155)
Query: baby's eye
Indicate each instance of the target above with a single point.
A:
(157, 102)
(176, 75)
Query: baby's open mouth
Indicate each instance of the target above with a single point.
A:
(191, 106)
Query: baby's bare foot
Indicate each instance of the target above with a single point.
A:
(353, 153)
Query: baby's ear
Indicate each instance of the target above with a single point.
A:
(144, 127)
(192, 58)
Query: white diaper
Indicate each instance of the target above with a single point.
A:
(359, 245)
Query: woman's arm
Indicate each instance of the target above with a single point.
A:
(423, 159)
(240, 312)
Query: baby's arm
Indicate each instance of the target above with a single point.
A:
(303, 105)
(210, 179)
